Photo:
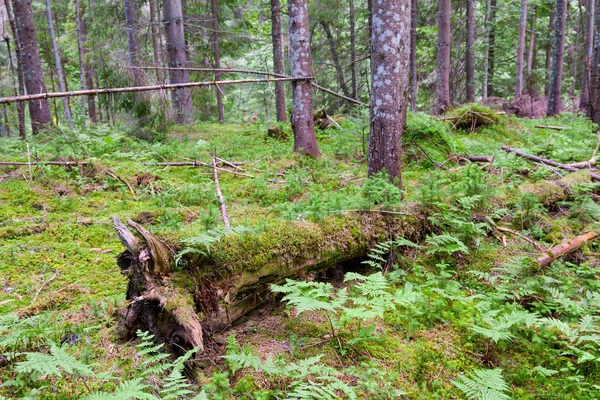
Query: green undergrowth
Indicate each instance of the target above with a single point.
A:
(456, 309)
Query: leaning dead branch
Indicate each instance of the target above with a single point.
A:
(44, 285)
(224, 213)
(567, 247)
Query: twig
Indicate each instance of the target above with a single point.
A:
(44, 285)
(224, 213)
(532, 242)
(195, 164)
(556, 128)
(77, 163)
(29, 162)
(109, 172)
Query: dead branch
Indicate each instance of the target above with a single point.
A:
(196, 164)
(123, 181)
(584, 164)
(224, 213)
(44, 285)
(555, 128)
(532, 242)
(481, 159)
(566, 247)
(77, 163)
(547, 161)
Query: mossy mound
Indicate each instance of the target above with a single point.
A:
(473, 116)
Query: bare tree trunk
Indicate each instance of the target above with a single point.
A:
(554, 102)
(588, 58)
(278, 59)
(305, 140)
(390, 58)
(531, 63)
(549, 51)
(443, 60)
(156, 52)
(182, 100)
(486, 61)
(413, 55)
(133, 42)
(470, 68)
(595, 95)
(18, 75)
(521, 51)
(353, 50)
(59, 72)
(217, 64)
(85, 69)
(31, 65)
(336, 58)
(492, 49)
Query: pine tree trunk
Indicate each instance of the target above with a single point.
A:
(277, 37)
(492, 49)
(31, 65)
(182, 100)
(390, 59)
(595, 93)
(470, 68)
(588, 58)
(521, 51)
(217, 64)
(443, 60)
(414, 89)
(554, 102)
(18, 74)
(486, 62)
(549, 51)
(305, 140)
(531, 59)
(133, 41)
(157, 55)
(85, 69)
(59, 72)
(336, 58)
(353, 50)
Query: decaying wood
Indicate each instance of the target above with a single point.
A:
(481, 159)
(555, 128)
(591, 163)
(532, 242)
(567, 247)
(546, 161)
(224, 213)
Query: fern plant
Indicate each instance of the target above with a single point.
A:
(483, 384)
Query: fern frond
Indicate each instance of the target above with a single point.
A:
(132, 389)
(483, 384)
(55, 363)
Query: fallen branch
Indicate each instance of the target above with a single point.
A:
(547, 161)
(196, 164)
(532, 242)
(44, 285)
(482, 159)
(567, 247)
(44, 163)
(555, 128)
(115, 176)
(584, 164)
(224, 213)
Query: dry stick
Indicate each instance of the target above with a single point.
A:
(29, 162)
(483, 159)
(44, 285)
(77, 163)
(15, 99)
(566, 247)
(196, 164)
(109, 172)
(547, 161)
(224, 213)
(556, 128)
(532, 242)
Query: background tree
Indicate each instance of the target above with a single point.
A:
(554, 101)
(521, 51)
(469, 58)
(276, 34)
(443, 62)
(217, 55)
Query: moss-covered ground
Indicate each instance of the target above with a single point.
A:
(58, 249)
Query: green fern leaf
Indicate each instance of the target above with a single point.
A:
(483, 384)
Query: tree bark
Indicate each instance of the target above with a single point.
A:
(531, 59)
(492, 49)
(277, 37)
(390, 58)
(584, 104)
(549, 51)
(182, 100)
(595, 76)
(486, 61)
(133, 41)
(353, 50)
(469, 64)
(29, 58)
(86, 70)
(521, 51)
(59, 72)
(554, 102)
(336, 58)
(414, 89)
(305, 140)
(18, 74)
(443, 59)
(217, 64)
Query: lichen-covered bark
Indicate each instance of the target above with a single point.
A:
(305, 140)
(413, 55)
(554, 91)
(521, 51)
(276, 35)
(390, 54)
(31, 64)
(182, 99)
(443, 60)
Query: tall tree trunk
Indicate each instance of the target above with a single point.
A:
(470, 68)
(588, 58)
(492, 49)
(85, 69)
(277, 37)
(18, 75)
(443, 59)
(156, 52)
(336, 58)
(215, 27)
(486, 61)
(531, 59)
(549, 50)
(182, 100)
(554, 103)
(390, 58)
(414, 89)
(33, 77)
(59, 72)
(521, 51)
(353, 50)
(595, 81)
(305, 140)
(133, 41)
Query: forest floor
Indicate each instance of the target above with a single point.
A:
(462, 313)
